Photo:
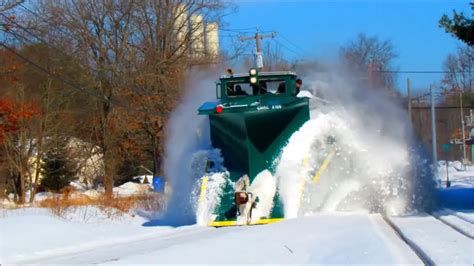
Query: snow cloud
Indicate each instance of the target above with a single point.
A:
(376, 166)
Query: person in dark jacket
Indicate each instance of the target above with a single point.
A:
(299, 83)
(239, 91)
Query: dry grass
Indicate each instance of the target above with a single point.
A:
(112, 207)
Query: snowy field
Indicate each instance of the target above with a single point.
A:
(323, 238)
(86, 235)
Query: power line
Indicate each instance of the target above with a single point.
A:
(19, 36)
(30, 33)
(442, 107)
(229, 36)
(421, 72)
(42, 68)
(246, 30)
(42, 18)
(72, 85)
(292, 43)
(289, 49)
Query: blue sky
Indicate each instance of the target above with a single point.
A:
(320, 27)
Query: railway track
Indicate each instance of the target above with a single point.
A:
(456, 223)
(461, 229)
(463, 216)
(411, 244)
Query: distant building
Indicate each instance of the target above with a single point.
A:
(212, 39)
(201, 37)
(197, 36)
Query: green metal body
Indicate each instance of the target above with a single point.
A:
(252, 130)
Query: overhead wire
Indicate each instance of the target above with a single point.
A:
(42, 18)
(291, 42)
(287, 48)
(31, 34)
(19, 36)
(75, 86)
(421, 72)
(65, 81)
(245, 30)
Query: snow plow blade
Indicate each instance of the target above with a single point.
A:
(234, 223)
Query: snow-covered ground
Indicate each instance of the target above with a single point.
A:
(88, 235)
(459, 175)
(34, 232)
(35, 236)
(460, 193)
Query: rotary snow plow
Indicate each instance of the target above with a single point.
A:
(255, 115)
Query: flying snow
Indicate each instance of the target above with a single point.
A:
(356, 153)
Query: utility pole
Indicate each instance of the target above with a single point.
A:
(409, 99)
(463, 133)
(258, 53)
(433, 127)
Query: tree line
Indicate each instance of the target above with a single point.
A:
(107, 73)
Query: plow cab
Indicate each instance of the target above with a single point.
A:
(254, 116)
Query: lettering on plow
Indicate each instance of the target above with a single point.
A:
(270, 107)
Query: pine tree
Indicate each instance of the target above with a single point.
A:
(460, 26)
(57, 170)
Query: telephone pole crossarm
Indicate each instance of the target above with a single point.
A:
(258, 54)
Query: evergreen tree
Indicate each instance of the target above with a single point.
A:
(57, 170)
(460, 26)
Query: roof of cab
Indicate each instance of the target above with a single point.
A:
(260, 74)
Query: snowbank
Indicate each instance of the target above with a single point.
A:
(459, 175)
(131, 188)
(35, 232)
(460, 193)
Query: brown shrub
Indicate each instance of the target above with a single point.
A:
(67, 191)
(114, 206)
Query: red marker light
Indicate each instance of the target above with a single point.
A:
(219, 109)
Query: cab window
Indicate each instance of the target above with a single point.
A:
(236, 89)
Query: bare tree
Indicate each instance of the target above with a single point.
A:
(38, 103)
(372, 58)
(19, 144)
(6, 5)
(130, 49)
(170, 40)
(459, 68)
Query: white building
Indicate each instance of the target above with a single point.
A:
(203, 37)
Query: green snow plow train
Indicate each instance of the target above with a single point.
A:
(255, 115)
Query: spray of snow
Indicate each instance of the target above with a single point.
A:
(208, 204)
(375, 166)
(264, 186)
(187, 133)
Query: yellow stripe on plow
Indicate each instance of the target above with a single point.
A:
(323, 166)
(234, 223)
(202, 194)
(303, 183)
